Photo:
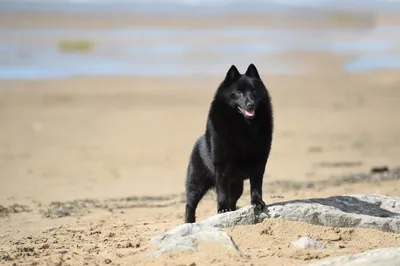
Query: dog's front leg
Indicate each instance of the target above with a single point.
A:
(256, 182)
(222, 187)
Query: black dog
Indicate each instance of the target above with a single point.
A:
(235, 146)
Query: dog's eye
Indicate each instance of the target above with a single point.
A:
(238, 92)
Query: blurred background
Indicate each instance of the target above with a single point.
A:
(106, 98)
(181, 38)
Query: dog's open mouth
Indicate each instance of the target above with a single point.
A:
(247, 113)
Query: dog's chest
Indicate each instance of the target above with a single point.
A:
(244, 142)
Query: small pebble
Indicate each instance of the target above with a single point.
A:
(306, 242)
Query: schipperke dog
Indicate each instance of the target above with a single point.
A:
(236, 144)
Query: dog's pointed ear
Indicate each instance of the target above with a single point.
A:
(252, 71)
(232, 74)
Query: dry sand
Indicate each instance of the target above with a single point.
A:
(111, 138)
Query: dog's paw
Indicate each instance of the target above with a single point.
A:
(259, 205)
(224, 210)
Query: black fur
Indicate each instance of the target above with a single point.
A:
(235, 146)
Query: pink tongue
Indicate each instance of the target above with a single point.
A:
(249, 113)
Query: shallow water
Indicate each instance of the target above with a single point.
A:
(33, 53)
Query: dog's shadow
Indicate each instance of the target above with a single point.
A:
(344, 203)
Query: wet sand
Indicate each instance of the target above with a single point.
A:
(119, 139)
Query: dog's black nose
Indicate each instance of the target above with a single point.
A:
(250, 105)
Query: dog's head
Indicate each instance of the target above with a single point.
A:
(242, 92)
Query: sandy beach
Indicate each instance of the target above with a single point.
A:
(125, 141)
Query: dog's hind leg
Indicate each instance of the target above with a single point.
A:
(197, 185)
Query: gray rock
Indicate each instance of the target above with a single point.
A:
(187, 236)
(388, 203)
(306, 242)
(365, 211)
(376, 257)
(245, 215)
